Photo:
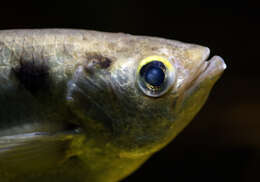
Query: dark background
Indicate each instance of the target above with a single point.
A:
(223, 141)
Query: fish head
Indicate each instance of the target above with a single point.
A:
(136, 93)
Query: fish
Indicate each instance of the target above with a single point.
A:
(90, 106)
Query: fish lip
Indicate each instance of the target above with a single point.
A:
(210, 69)
(216, 62)
(214, 66)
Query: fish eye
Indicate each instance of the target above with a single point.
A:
(155, 76)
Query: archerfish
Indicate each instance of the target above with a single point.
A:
(88, 106)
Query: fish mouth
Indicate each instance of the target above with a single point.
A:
(212, 67)
(209, 70)
(204, 68)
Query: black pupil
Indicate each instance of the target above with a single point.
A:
(153, 73)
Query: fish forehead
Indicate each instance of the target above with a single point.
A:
(187, 58)
(95, 40)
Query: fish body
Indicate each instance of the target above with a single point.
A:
(78, 105)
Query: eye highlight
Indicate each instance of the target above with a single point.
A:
(155, 76)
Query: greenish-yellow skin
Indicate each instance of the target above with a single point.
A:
(93, 87)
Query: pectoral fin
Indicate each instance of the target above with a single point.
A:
(33, 152)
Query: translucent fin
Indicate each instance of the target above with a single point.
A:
(34, 152)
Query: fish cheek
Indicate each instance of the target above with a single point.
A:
(84, 94)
